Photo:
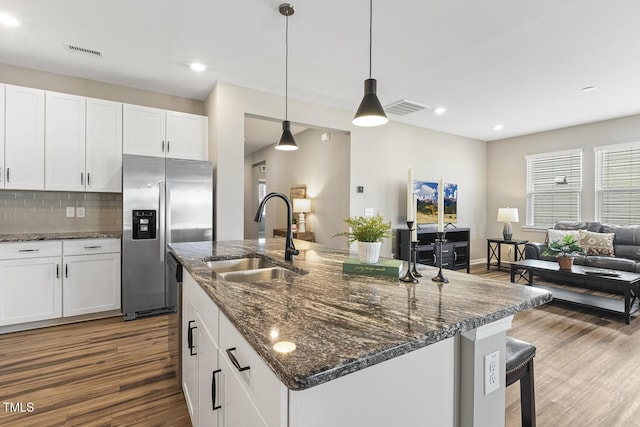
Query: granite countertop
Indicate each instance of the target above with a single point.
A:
(341, 323)
(27, 237)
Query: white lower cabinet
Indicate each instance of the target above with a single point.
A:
(189, 351)
(239, 410)
(91, 282)
(30, 290)
(44, 280)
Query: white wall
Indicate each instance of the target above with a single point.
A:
(323, 167)
(379, 159)
(507, 168)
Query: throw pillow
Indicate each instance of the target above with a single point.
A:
(597, 243)
(560, 234)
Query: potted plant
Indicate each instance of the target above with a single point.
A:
(368, 232)
(564, 250)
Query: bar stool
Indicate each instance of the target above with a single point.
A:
(520, 356)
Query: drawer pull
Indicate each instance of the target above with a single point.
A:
(190, 337)
(235, 361)
(93, 247)
(28, 250)
(213, 389)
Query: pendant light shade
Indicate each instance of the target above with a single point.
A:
(287, 143)
(370, 112)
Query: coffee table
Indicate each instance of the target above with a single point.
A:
(627, 282)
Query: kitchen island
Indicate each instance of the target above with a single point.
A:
(359, 350)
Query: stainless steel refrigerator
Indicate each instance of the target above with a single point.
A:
(163, 201)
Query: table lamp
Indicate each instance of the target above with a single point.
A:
(301, 206)
(507, 215)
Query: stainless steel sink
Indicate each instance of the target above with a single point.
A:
(258, 274)
(250, 269)
(240, 264)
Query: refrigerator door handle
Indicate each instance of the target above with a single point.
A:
(160, 224)
(167, 212)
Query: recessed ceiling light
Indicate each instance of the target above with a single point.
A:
(9, 20)
(440, 110)
(588, 88)
(198, 67)
(498, 127)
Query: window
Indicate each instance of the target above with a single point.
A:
(554, 186)
(618, 183)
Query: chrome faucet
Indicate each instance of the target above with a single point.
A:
(289, 249)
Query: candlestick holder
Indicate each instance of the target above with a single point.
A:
(440, 277)
(408, 276)
(415, 271)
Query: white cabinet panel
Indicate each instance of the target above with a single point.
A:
(91, 246)
(189, 351)
(143, 130)
(64, 142)
(24, 138)
(21, 250)
(1, 136)
(238, 409)
(186, 136)
(91, 284)
(209, 377)
(30, 290)
(104, 146)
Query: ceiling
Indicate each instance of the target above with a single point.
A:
(518, 63)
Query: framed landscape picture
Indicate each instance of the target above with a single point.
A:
(427, 207)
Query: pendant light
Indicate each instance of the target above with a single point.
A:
(287, 143)
(370, 113)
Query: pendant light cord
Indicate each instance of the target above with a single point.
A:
(370, 34)
(286, 70)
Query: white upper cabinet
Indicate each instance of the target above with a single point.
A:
(104, 146)
(65, 142)
(186, 136)
(24, 138)
(154, 132)
(83, 144)
(1, 136)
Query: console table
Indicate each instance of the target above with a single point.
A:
(456, 250)
(624, 282)
(494, 252)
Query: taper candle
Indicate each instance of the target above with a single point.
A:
(410, 207)
(440, 206)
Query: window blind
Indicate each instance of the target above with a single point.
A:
(554, 187)
(618, 183)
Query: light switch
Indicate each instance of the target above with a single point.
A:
(71, 212)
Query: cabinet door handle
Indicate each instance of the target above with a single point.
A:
(455, 256)
(190, 337)
(89, 179)
(66, 270)
(213, 389)
(81, 178)
(162, 147)
(235, 361)
(7, 174)
(57, 271)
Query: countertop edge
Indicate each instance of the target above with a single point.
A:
(34, 237)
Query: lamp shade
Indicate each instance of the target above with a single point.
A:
(302, 205)
(508, 214)
(287, 143)
(370, 113)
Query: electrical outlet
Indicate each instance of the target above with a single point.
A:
(491, 372)
(71, 212)
(80, 212)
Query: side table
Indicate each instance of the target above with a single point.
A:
(493, 250)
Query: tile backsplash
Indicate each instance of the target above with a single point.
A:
(45, 212)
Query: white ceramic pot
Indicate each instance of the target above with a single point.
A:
(369, 252)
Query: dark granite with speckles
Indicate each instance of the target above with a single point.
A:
(28, 237)
(340, 322)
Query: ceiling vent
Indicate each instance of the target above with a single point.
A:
(78, 49)
(404, 107)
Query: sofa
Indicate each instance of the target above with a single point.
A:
(611, 247)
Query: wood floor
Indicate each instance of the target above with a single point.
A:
(99, 373)
(114, 373)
